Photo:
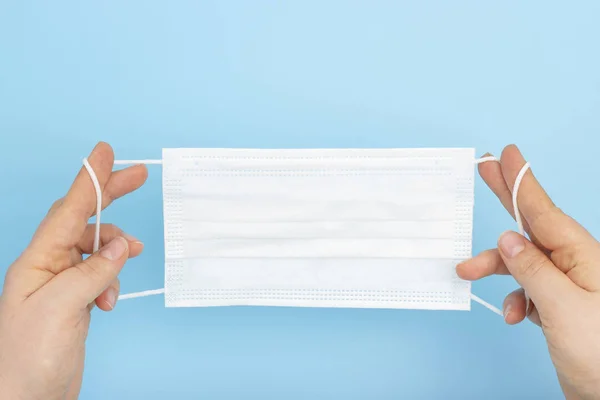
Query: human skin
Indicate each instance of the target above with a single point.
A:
(50, 290)
(558, 271)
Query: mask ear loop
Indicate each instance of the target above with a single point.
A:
(518, 219)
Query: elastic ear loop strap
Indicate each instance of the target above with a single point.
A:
(98, 190)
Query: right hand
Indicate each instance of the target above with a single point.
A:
(559, 272)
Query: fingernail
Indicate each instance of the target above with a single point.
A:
(511, 244)
(506, 311)
(114, 249)
(131, 238)
(527, 303)
(111, 297)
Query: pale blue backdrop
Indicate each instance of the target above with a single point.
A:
(144, 75)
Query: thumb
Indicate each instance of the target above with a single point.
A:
(543, 282)
(81, 284)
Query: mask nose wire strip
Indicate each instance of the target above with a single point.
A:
(145, 293)
(515, 192)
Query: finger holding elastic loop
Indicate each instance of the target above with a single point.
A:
(517, 214)
(107, 299)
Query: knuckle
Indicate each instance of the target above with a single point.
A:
(567, 258)
(112, 229)
(55, 205)
(107, 198)
(531, 265)
(11, 277)
(107, 231)
(88, 270)
(551, 216)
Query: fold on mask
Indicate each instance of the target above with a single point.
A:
(376, 228)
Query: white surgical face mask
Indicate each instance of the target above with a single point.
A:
(377, 228)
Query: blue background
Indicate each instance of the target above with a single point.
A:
(144, 75)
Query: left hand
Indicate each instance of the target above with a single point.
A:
(50, 290)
